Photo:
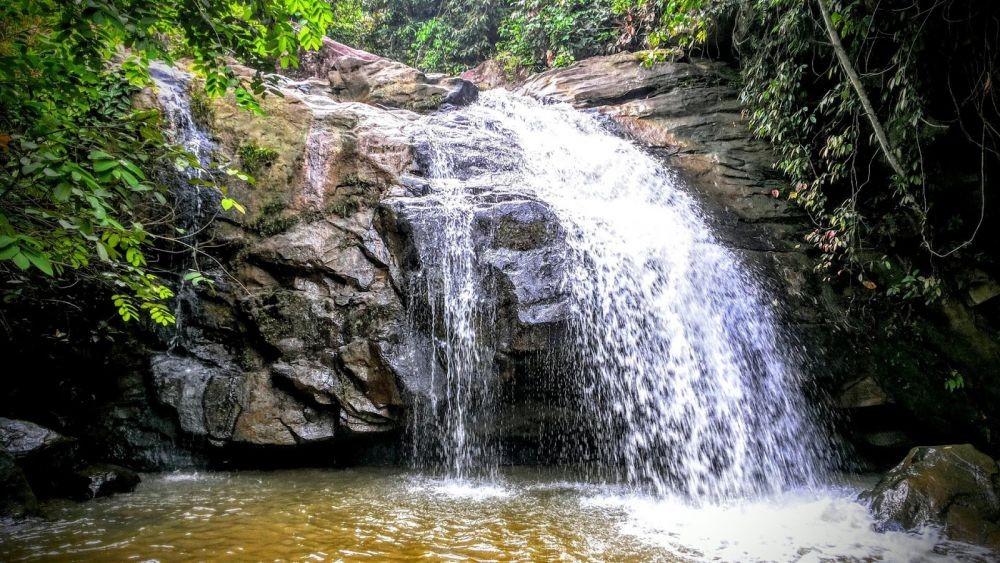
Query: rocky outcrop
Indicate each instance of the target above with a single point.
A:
(956, 487)
(35, 459)
(302, 337)
(356, 75)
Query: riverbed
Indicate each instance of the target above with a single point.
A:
(392, 514)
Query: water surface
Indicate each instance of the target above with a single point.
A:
(392, 514)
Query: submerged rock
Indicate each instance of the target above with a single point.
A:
(956, 487)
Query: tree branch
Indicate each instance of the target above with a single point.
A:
(859, 88)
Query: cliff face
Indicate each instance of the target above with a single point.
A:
(312, 339)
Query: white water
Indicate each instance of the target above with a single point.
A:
(691, 387)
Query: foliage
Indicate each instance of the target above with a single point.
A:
(541, 33)
(255, 157)
(80, 197)
(434, 35)
(927, 67)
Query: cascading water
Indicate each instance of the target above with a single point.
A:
(461, 311)
(688, 384)
(195, 205)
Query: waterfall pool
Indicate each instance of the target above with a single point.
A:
(392, 514)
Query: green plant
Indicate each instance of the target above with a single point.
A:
(80, 167)
(540, 34)
(255, 158)
(954, 382)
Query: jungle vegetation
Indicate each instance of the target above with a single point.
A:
(883, 114)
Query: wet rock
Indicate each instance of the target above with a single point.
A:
(273, 417)
(956, 487)
(25, 440)
(102, 480)
(363, 360)
(321, 246)
(46, 457)
(205, 397)
(527, 250)
(16, 497)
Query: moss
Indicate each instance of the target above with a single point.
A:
(255, 157)
(271, 219)
(345, 207)
(201, 107)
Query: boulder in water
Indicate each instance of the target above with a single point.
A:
(23, 439)
(956, 487)
(102, 480)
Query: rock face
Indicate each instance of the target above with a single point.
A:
(303, 339)
(956, 487)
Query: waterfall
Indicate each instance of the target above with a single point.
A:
(195, 205)
(687, 381)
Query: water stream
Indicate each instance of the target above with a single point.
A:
(691, 386)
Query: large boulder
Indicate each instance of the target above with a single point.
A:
(46, 457)
(956, 487)
(26, 440)
(360, 76)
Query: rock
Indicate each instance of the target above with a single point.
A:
(321, 246)
(865, 392)
(356, 75)
(46, 457)
(956, 487)
(103, 480)
(274, 417)
(206, 397)
(22, 439)
(364, 361)
(492, 74)
(16, 497)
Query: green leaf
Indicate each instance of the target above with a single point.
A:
(41, 262)
(22, 261)
(105, 165)
(62, 192)
(102, 252)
